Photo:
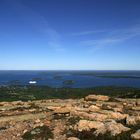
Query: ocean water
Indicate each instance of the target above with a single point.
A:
(81, 79)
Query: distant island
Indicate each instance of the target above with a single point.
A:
(117, 76)
(57, 77)
(36, 79)
(69, 82)
(106, 75)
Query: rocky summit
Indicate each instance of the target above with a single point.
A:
(95, 117)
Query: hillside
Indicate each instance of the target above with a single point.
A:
(95, 117)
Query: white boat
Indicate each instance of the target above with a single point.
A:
(32, 82)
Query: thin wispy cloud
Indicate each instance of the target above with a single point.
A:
(54, 41)
(56, 46)
(112, 38)
(87, 32)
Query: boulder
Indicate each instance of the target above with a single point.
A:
(62, 110)
(73, 138)
(112, 127)
(37, 121)
(93, 108)
(88, 125)
(116, 115)
(53, 107)
(112, 115)
(80, 109)
(96, 98)
(136, 136)
(132, 120)
(92, 116)
(137, 108)
(100, 115)
(116, 109)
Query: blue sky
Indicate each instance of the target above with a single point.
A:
(70, 34)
